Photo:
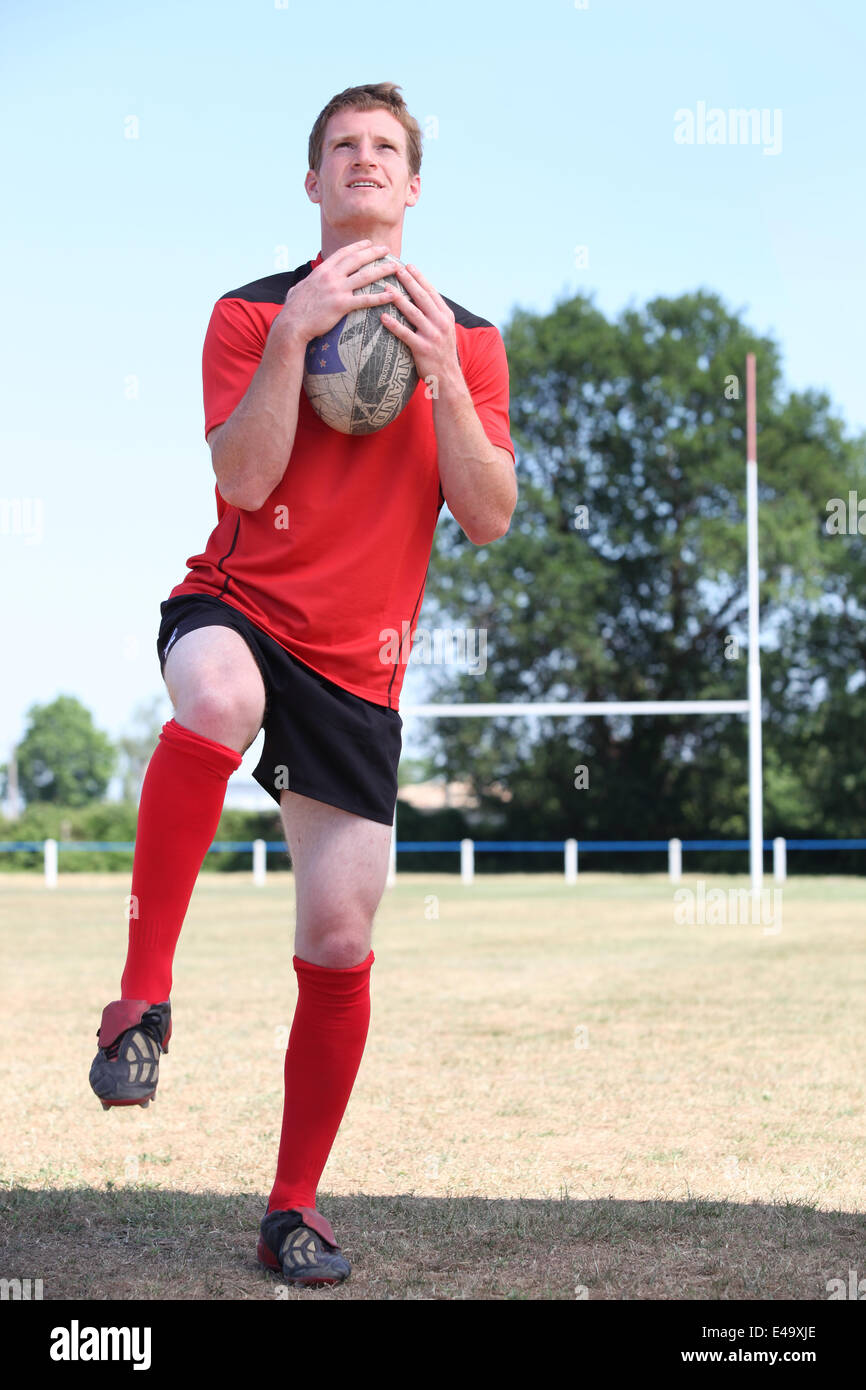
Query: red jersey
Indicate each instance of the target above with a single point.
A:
(335, 561)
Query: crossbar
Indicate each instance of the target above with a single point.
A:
(604, 707)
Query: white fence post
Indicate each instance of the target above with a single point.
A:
(467, 860)
(260, 862)
(50, 863)
(780, 859)
(392, 854)
(571, 861)
(675, 860)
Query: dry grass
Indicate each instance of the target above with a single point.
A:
(563, 1089)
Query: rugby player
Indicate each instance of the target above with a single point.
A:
(322, 545)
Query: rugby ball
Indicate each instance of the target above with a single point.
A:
(360, 376)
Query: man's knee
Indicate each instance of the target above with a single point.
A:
(338, 939)
(216, 686)
(226, 716)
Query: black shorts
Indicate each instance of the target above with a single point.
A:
(320, 740)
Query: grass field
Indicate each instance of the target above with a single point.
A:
(565, 1093)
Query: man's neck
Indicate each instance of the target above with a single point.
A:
(332, 240)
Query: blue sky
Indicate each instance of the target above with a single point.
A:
(550, 126)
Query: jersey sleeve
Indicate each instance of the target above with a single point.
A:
(233, 347)
(486, 375)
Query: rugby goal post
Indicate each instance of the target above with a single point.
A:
(751, 706)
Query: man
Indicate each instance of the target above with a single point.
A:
(321, 547)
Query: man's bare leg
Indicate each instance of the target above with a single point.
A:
(340, 863)
(341, 867)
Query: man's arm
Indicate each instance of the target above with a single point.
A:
(251, 449)
(478, 479)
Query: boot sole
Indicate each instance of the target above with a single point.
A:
(110, 1104)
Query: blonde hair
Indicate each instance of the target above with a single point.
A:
(373, 96)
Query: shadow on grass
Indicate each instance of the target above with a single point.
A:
(141, 1242)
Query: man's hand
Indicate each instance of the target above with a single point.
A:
(251, 449)
(326, 295)
(433, 343)
(478, 481)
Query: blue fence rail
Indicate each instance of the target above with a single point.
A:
(500, 846)
(600, 846)
(467, 850)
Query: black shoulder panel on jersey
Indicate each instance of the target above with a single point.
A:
(464, 318)
(272, 289)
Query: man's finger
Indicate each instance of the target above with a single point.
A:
(407, 307)
(361, 260)
(419, 288)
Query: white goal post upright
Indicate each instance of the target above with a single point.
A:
(756, 794)
(750, 706)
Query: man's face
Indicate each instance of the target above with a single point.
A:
(363, 184)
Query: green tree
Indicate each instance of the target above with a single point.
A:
(62, 757)
(414, 770)
(623, 576)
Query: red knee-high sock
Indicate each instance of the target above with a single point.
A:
(326, 1043)
(181, 803)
